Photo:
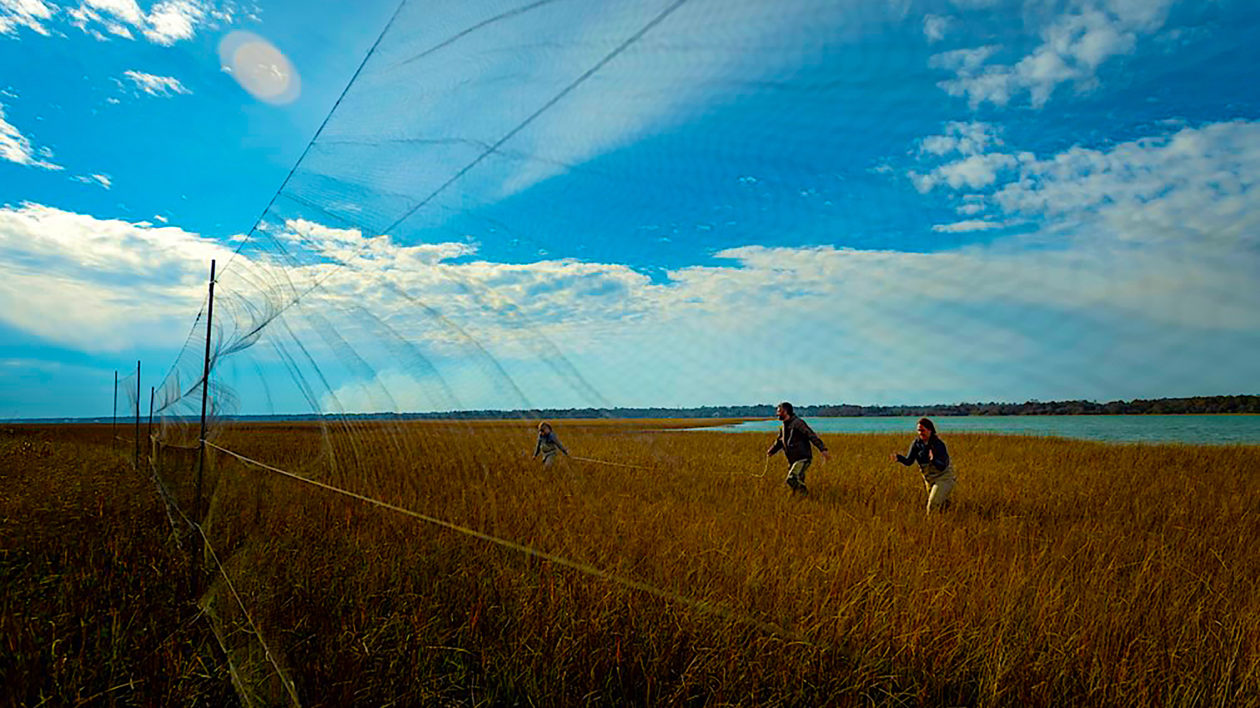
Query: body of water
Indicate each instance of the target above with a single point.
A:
(1196, 429)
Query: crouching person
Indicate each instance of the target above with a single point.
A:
(548, 444)
(928, 451)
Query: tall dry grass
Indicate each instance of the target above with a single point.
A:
(94, 601)
(1068, 573)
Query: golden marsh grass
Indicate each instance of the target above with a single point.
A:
(1067, 573)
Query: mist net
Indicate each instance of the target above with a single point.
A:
(524, 210)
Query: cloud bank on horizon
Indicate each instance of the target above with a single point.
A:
(568, 207)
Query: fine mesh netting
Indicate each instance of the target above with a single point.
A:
(470, 232)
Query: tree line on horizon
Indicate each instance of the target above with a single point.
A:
(1219, 405)
(1159, 406)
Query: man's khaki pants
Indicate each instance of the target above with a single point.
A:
(796, 474)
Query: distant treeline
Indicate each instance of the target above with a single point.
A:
(1138, 406)
(1165, 406)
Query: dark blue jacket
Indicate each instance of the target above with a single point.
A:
(919, 454)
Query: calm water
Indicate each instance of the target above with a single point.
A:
(1206, 429)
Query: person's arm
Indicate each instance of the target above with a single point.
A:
(939, 455)
(778, 445)
(560, 445)
(538, 446)
(909, 458)
(813, 438)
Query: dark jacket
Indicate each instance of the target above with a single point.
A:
(794, 439)
(919, 454)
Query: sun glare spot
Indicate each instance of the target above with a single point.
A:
(259, 68)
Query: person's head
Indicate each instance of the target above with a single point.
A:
(926, 428)
(784, 411)
(544, 428)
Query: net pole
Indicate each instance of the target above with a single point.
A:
(149, 433)
(113, 425)
(201, 444)
(205, 390)
(137, 454)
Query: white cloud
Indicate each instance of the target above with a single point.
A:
(31, 14)
(1074, 45)
(1194, 185)
(1173, 213)
(102, 180)
(965, 139)
(1175, 176)
(98, 284)
(966, 226)
(103, 285)
(16, 147)
(963, 60)
(973, 172)
(934, 27)
(156, 85)
(165, 23)
(173, 20)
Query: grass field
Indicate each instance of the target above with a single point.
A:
(1067, 573)
(95, 607)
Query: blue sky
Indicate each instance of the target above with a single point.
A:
(569, 203)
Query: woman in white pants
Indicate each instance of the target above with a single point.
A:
(928, 451)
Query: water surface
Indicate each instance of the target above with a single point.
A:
(1199, 429)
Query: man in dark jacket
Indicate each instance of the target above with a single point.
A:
(794, 440)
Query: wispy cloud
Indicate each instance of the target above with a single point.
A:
(102, 180)
(16, 147)
(972, 172)
(660, 79)
(31, 14)
(156, 85)
(934, 27)
(966, 139)
(1073, 46)
(165, 22)
(966, 226)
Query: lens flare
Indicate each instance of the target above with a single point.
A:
(259, 67)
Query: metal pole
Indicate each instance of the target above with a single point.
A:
(201, 439)
(205, 390)
(113, 426)
(137, 414)
(149, 434)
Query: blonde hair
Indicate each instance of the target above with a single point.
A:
(544, 424)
